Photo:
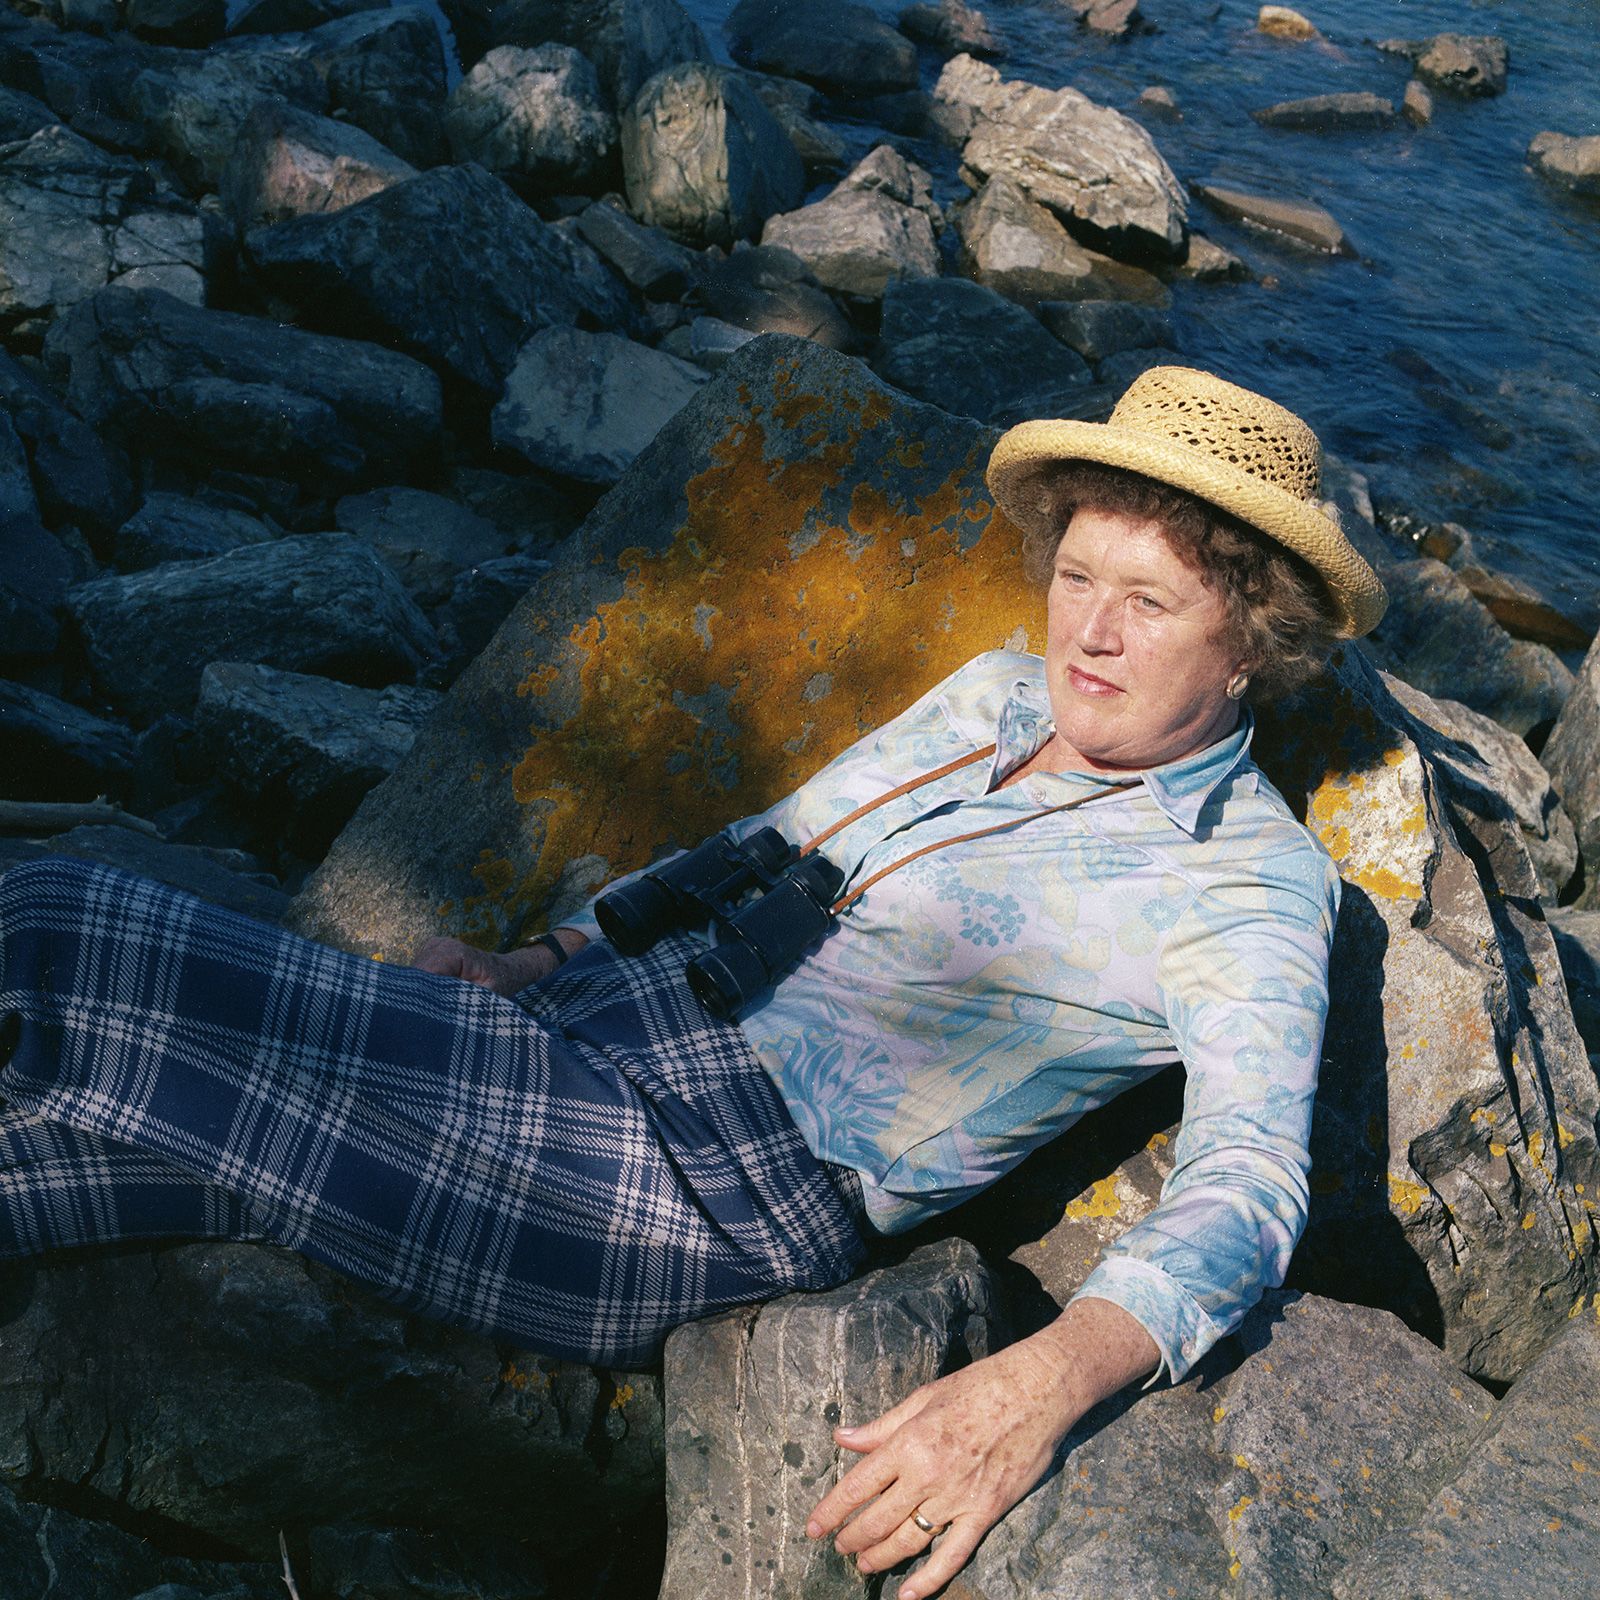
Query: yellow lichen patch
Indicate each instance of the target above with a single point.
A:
(1580, 1466)
(524, 1379)
(1496, 1149)
(1156, 1141)
(1336, 841)
(1235, 1567)
(1366, 1472)
(1386, 884)
(1484, 1116)
(1238, 1508)
(1536, 1147)
(1393, 758)
(1528, 1221)
(1240, 1462)
(1102, 1201)
(1407, 1052)
(1584, 1440)
(1406, 1197)
(1415, 820)
(1563, 1138)
(1553, 1525)
(623, 1395)
(1219, 1412)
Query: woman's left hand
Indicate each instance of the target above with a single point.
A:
(966, 1448)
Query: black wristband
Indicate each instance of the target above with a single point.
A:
(552, 944)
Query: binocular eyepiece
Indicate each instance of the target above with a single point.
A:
(758, 941)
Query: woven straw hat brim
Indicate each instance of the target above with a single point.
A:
(1026, 451)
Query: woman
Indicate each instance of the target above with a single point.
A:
(1061, 875)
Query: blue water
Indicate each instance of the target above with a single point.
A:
(1458, 359)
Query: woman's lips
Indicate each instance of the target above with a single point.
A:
(1087, 683)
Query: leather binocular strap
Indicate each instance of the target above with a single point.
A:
(943, 844)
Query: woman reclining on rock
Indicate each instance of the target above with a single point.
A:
(1058, 876)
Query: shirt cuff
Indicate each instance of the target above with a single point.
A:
(1173, 1318)
(581, 921)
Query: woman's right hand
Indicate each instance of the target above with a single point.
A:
(507, 972)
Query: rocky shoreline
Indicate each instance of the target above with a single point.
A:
(350, 394)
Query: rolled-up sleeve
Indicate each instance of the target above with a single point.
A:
(1244, 980)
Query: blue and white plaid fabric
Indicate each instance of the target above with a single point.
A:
(577, 1172)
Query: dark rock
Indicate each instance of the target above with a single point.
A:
(22, 116)
(711, 341)
(427, 538)
(399, 1564)
(191, 24)
(857, 241)
(530, 510)
(236, 1390)
(51, 749)
(793, 106)
(704, 158)
(1296, 220)
(1571, 755)
(656, 34)
(174, 382)
(78, 219)
(537, 118)
(951, 26)
(289, 163)
(173, 527)
(82, 78)
(304, 748)
(1099, 328)
(218, 876)
(34, 574)
(1577, 934)
(296, 16)
(17, 498)
(845, 49)
(752, 1398)
(451, 267)
(1098, 170)
(645, 257)
(483, 597)
(324, 603)
(585, 404)
(1326, 113)
(75, 478)
(768, 290)
(1470, 65)
(1572, 163)
(1018, 248)
(1416, 105)
(1520, 609)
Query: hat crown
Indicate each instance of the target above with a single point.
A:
(1231, 424)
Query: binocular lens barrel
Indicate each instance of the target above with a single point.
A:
(636, 915)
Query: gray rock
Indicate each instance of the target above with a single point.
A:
(537, 118)
(1574, 163)
(1577, 934)
(1158, 101)
(193, 103)
(1098, 170)
(1470, 65)
(1282, 22)
(585, 404)
(1571, 755)
(482, 598)
(1209, 262)
(478, 272)
(752, 1398)
(1296, 220)
(656, 34)
(645, 257)
(1441, 640)
(1518, 1515)
(711, 341)
(83, 78)
(78, 219)
(883, 170)
(289, 163)
(857, 241)
(1328, 113)
(793, 105)
(173, 527)
(34, 574)
(1099, 328)
(704, 159)
(191, 24)
(304, 748)
(427, 538)
(176, 382)
(75, 477)
(846, 49)
(768, 290)
(966, 349)
(1018, 248)
(324, 603)
(1115, 19)
(45, 1550)
(236, 1390)
(221, 877)
(1507, 768)
(951, 26)
(22, 116)
(1416, 105)
(51, 749)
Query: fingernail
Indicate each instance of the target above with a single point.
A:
(847, 1430)
(813, 1530)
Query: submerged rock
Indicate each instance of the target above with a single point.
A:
(1574, 163)
(1328, 113)
(1468, 65)
(1417, 105)
(844, 48)
(1296, 220)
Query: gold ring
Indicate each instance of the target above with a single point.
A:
(926, 1526)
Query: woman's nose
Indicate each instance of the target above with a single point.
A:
(1098, 628)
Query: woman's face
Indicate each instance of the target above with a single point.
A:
(1136, 656)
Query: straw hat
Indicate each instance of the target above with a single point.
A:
(1228, 446)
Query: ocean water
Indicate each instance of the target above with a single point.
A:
(1457, 359)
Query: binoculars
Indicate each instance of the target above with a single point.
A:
(759, 940)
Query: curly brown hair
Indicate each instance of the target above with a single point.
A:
(1279, 615)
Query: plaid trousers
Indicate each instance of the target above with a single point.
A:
(575, 1172)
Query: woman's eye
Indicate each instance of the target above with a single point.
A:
(1073, 580)
(1147, 603)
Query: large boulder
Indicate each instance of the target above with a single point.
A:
(290, 163)
(537, 118)
(1572, 757)
(323, 603)
(767, 290)
(1098, 170)
(704, 159)
(1470, 65)
(844, 48)
(77, 219)
(782, 503)
(858, 241)
(1574, 163)
(451, 267)
(176, 527)
(51, 749)
(585, 404)
(644, 257)
(181, 384)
